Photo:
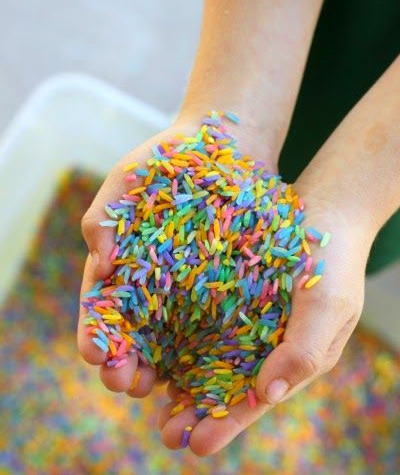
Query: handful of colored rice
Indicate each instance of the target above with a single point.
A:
(207, 245)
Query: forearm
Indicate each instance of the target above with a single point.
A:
(250, 61)
(358, 168)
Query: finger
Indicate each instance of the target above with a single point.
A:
(299, 356)
(211, 435)
(172, 431)
(173, 392)
(100, 240)
(89, 351)
(333, 354)
(119, 379)
(165, 414)
(144, 383)
(176, 395)
(316, 320)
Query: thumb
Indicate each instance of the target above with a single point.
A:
(102, 240)
(303, 353)
(99, 240)
(101, 226)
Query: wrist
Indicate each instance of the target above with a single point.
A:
(254, 136)
(339, 208)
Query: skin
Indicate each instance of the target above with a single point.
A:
(351, 187)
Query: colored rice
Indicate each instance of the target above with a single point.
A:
(207, 245)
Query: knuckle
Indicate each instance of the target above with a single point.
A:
(310, 359)
(331, 363)
(348, 305)
(88, 225)
(345, 306)
(322, 300)
(349, 326)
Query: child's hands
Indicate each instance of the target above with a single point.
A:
(323, 317)
(253, 73)
(350, 189)
(322, 320)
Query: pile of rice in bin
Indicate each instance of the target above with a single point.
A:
(206, 250)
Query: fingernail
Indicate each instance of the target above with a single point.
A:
(95, 258)
(276, 390)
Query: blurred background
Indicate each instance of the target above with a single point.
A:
(81, 83)
(121, 43)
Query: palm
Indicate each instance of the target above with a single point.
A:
(210, 435)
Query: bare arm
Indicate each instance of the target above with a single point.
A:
(250, 61)
(358, 168)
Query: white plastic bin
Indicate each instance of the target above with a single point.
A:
(70, 120)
